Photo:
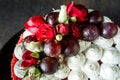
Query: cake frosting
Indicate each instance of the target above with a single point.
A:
(70, 43)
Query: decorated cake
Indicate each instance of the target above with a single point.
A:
(70, 43)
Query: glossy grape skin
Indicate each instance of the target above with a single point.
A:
(70, 47)
(90, 32)
(95, 17)
(108, 30)
(30, 38)
(49, 65)
(52, 18)
(52, 48)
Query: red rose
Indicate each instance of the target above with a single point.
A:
(45, 32)
(33, 23)
(79, 11)
(75, 30)
(28, 60)
(63, 29)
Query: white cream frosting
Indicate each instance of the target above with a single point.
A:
(94, 53)
(111, 56)
(48, 77)
(106, 19)
(77, 75)
(110, 72)
(62, 72)
(91, 68)
(18, 51)
(84, 45)
(26, 33)
(75, 62)
(90, 10)
(103, 43)
(18, 70)
(97, 78)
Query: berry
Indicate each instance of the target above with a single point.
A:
(70, 47)
(52, 48)
(108, 30)
(30, 38)
(90, 32)
(49, 65)
(95, 17)
(52, 18)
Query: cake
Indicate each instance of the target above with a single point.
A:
(70, 43)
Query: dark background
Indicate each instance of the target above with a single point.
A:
(13, 13)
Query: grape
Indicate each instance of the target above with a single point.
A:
(108, 30)
(52, 48)
(30, 38)
(70, 47)
(95, 17)
(52, 18)
(49, 65)
(90, 32)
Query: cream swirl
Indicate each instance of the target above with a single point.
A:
(90, 10)
(84, 45)
(75, 62)
(26, 33)
(18, 51)
(103, 43)
(94, 53)
(91, 68)
(48, 77)
(77, 75)
(97, 78)
(62, 72)
(110, 72)
(18, 70)
(111, 56)
(106, 19)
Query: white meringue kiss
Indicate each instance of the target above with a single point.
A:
(91, 69)
(94, 53)
(77, 75)
(103, 43)
(111, 56)
(18, 51)
(110, 72)
(106, 19)
(84, 45)
(26, 33)
(62, 72)
(75, 62)
(19, 72)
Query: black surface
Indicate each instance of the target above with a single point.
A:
(13, 14)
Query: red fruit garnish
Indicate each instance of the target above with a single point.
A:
(33, 23)
(75, 30)
(63, 29)
(30, 38)
(52, 48)
(79, 11)
(45, 32)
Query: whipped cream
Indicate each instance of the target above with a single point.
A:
(18, 70)
(106, 19)
(111, 56)
(103, 43)
(91, 68)
(18, 51)
(62, 72)
(90, 10)
(26, 33)
(84, 45)
(75, 62)
(94, 53)
(77, 75)
(48, 77)
(110, 72)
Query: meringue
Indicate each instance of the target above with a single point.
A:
(111, 56)
(77, 75)
(110, 71)
(103, 43)
(26, 33)
(18, 51)
(19, 72)
(94, 53)
(106, 19)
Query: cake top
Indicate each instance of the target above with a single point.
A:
(73, 43)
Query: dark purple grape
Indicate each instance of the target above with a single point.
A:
(49, 65)
(95, 17)
(70, 47)
(30, 38)
(108, 30)
(90, 32)
(52, 48)
(52, 18)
